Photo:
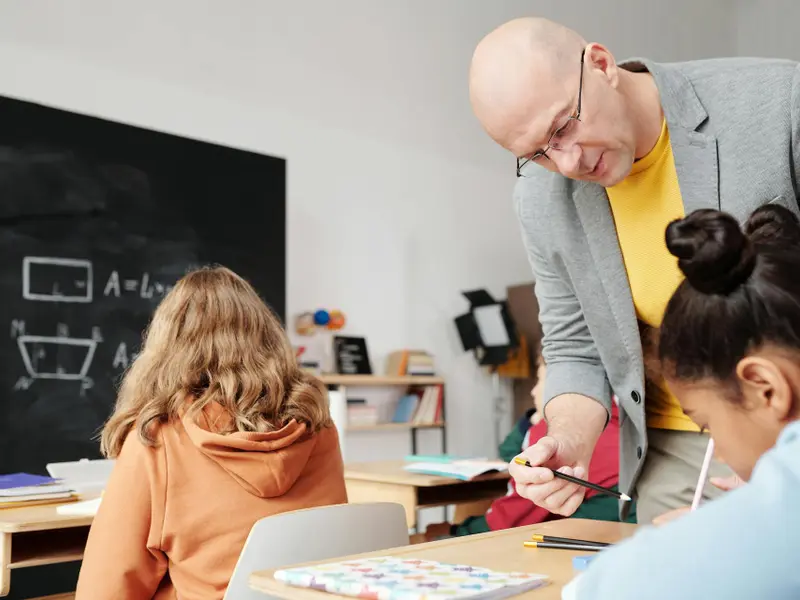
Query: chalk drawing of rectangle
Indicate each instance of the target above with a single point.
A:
(73, 275)
(27, 342)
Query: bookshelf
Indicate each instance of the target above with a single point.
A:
(342, 382)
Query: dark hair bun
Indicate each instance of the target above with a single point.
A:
(713, 252)
(773, 224)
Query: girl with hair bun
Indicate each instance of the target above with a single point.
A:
(729, 349)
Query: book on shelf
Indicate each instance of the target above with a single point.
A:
(463, 469)
(361, 415)
(410, 362)
(422, 405)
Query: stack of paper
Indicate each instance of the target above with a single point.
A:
(23, 489)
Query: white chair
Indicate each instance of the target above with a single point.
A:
(312, 534)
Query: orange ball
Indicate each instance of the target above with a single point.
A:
(337, 320)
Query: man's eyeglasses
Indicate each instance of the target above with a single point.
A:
(562, 138)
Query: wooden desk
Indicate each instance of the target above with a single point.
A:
(39, 535)
(387, 481)
(500, 550)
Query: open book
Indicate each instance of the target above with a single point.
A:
(465, 469)
(393, 578)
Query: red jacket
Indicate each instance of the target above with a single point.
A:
(513, 510)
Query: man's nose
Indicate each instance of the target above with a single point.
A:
(568, 161)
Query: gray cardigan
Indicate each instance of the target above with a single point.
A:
(735, 131)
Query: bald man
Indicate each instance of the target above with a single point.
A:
(607, 154)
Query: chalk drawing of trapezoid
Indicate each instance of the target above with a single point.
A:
(49, 279)
(63, 358)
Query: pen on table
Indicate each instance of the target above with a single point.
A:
(583, 482)
(701, 481)
(556, 545)
(538, 537)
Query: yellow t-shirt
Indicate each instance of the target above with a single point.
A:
(643, 204)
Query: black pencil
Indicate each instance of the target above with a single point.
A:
(537, 537)
(583, 482)
(573, 547)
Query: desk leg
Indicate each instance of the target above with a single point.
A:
(5, 560)
(373, 491)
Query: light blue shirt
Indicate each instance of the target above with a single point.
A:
(744, 545)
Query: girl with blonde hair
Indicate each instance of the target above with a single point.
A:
(215, 427)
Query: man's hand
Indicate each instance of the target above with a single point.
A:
(537, 482)
(574, 424)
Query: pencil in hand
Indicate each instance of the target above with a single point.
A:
(598, 488)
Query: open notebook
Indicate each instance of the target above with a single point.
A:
(464, 469)
(392, 578)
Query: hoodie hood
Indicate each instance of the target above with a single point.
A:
(265, 464)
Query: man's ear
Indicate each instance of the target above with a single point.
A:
(764, 386)
(598, 57)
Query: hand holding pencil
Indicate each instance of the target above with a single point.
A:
(535, 479)
(561, 474)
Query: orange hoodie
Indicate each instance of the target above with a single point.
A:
(174, 517)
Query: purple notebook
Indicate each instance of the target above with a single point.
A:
(15, 480)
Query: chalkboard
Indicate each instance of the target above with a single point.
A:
(97, 221)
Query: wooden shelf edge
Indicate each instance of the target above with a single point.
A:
(398, 426)
(44, 559)
(379, 380)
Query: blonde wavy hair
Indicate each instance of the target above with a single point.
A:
(212, 339)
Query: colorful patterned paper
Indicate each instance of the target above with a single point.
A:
(392, 578)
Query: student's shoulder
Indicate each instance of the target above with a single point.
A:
(325, 440)
(137, 449)
(781, 465)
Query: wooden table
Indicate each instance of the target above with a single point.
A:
(387, 481)
(39, 535)
(500, 550)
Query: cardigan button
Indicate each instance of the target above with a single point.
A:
(639, 452)
(636, 397)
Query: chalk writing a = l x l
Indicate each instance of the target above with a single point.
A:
(145, 287)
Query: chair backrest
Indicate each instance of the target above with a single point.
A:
(316, 534)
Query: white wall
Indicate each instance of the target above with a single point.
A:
(768, 28)
(396, 199)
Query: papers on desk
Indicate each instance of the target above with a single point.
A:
(67, 482)
(18, 480)
(86, 477)
(86, 508)
(24, 489)
(458, 469)
(411, 579)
